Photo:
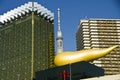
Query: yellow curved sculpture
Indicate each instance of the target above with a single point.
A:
(82, 55)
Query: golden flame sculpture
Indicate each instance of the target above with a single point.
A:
(82, 55)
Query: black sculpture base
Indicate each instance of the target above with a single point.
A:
(74, 71)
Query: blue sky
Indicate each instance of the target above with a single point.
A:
(72, 11)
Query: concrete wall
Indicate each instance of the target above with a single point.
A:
(110, 77)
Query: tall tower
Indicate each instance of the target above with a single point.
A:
(59, 35)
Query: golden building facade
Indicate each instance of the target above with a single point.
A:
(101, 33)
(26, 42)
